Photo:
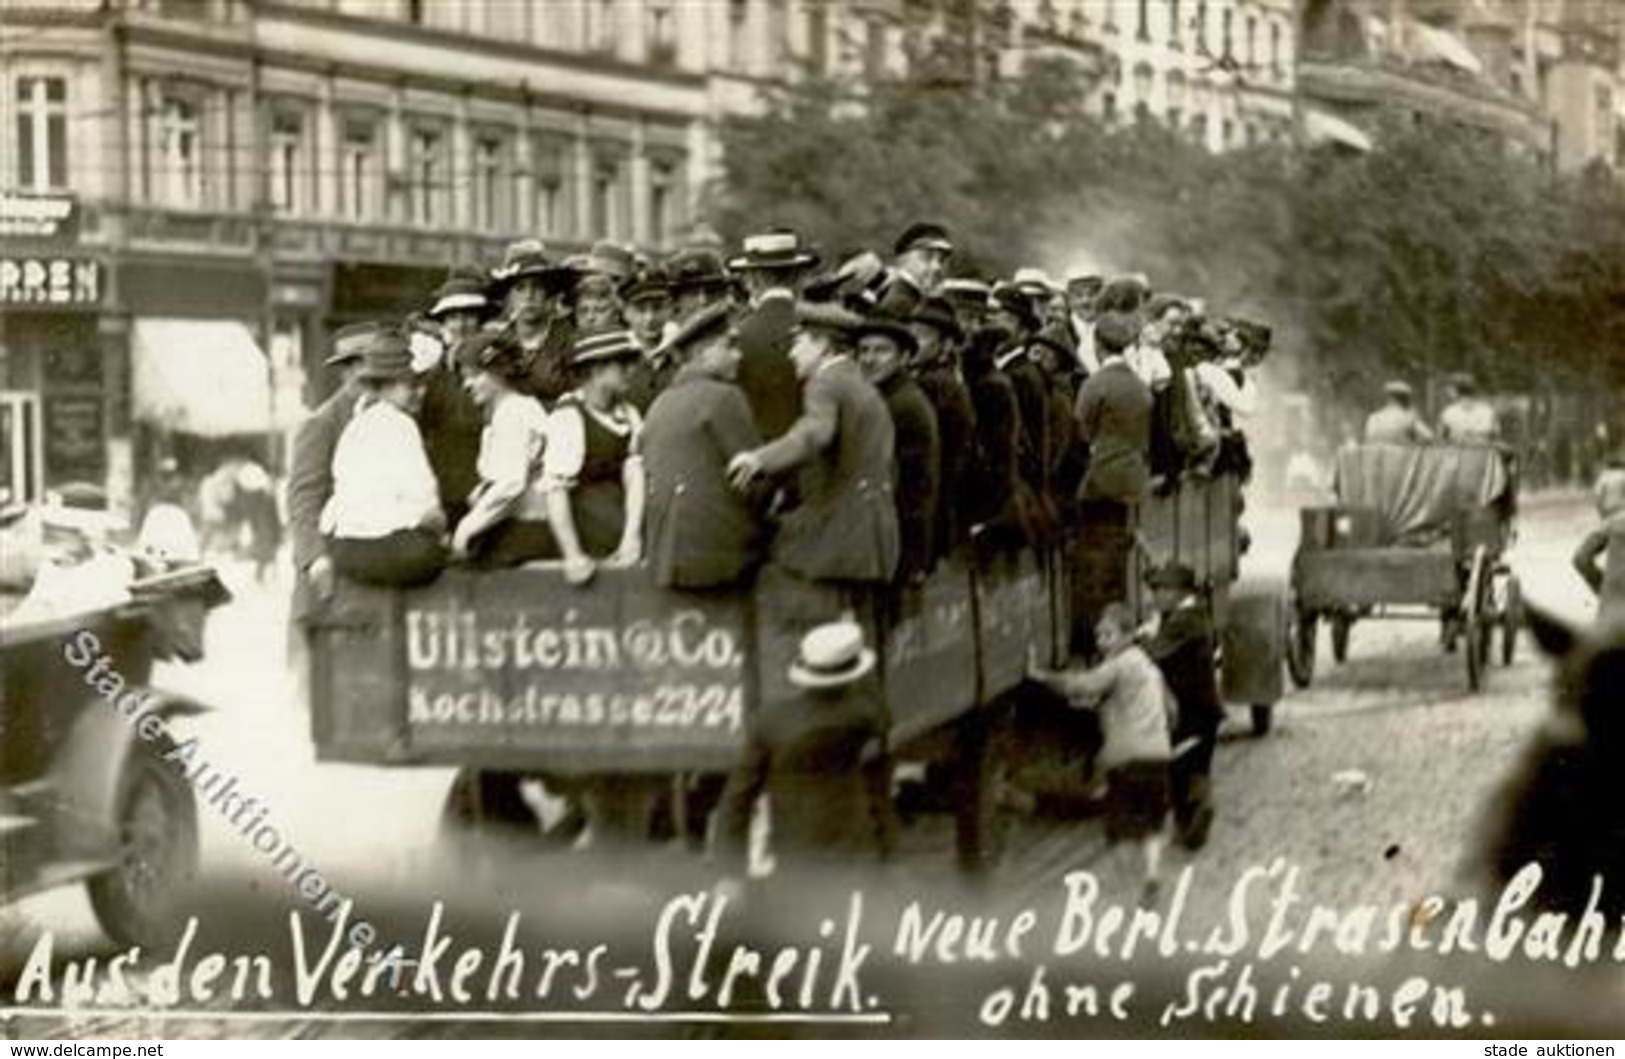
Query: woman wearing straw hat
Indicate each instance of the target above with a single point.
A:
(592, 468)
(507, 520)
(384, 522)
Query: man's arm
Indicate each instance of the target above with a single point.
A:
(310, 483)
(811, 434)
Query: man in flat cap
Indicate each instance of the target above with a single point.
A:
(1396, 422)
(535, 292)
(922, 253)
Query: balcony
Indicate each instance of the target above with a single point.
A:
(1390, 83)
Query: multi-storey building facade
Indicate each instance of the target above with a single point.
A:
(231, 180)
(1219, 71)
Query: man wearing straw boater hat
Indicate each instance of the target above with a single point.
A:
(772, 268)
(823, 808)
(535, 291)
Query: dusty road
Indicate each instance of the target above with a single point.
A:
(1397, 715)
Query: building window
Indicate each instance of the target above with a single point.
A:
(287, 162)
(490, 183)
(1176, 100)
(553, 218)
(662, 199)
(1227, 130)
(874, 48)
(426, 178)
(1275, 48)
(601, 19)
(1174, 27)
(42, 133)
(1201, 27)
(359, 170)
(778, 30)
(1143, 76)
(738, 42)
(1109, 23)
(1227, 21)
(1108, 106)
(817, 37)
(1252, 41)
(1143, 30)
(180, 153)
(606, 216)
(662, 43)
(415, 11)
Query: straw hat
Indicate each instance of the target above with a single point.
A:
(831, 656)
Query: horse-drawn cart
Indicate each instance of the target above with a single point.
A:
(1419, 531)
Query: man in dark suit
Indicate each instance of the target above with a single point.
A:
(1114, 421)
(1183, 648)
(772, 268)
(936, 368)
(838, 545)
(1013, 314)
(882, 347)
(310, 485)
(699, 533)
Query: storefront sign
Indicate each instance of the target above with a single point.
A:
(24, 216)
(50, 281)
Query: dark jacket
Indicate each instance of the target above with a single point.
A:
(845, 526)
(1114, 419)
(766, 375)
(310, 485)
(1183, 650)
(1032, 395)
(698, 531)
(961, 455)
(452, 426)
(649, 378)
(548, 376)
(918, 460)
(1000, 496)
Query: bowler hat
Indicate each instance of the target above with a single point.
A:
(350, 341)
(893, 327)
(923, 235)
(696, 269)
(1176, 576)
(830, 656)
(936, 312)
(703, 326)
(604, 345)
(827, 316)
(385, 356)
(462, 292)
(528, 257)
(780, 248)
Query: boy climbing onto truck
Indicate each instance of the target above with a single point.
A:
(1136, 711)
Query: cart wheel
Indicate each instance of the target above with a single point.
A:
(1475, 620)
(136, 901)
(1511, 620)
(981, 779)
(1263, 718)
(1300, 645)
(1341, 625)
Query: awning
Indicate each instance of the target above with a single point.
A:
(1322, 127)
(204, 377)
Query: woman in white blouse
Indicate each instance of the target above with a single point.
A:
(384, 522)
(507, 521)
(592, 468)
